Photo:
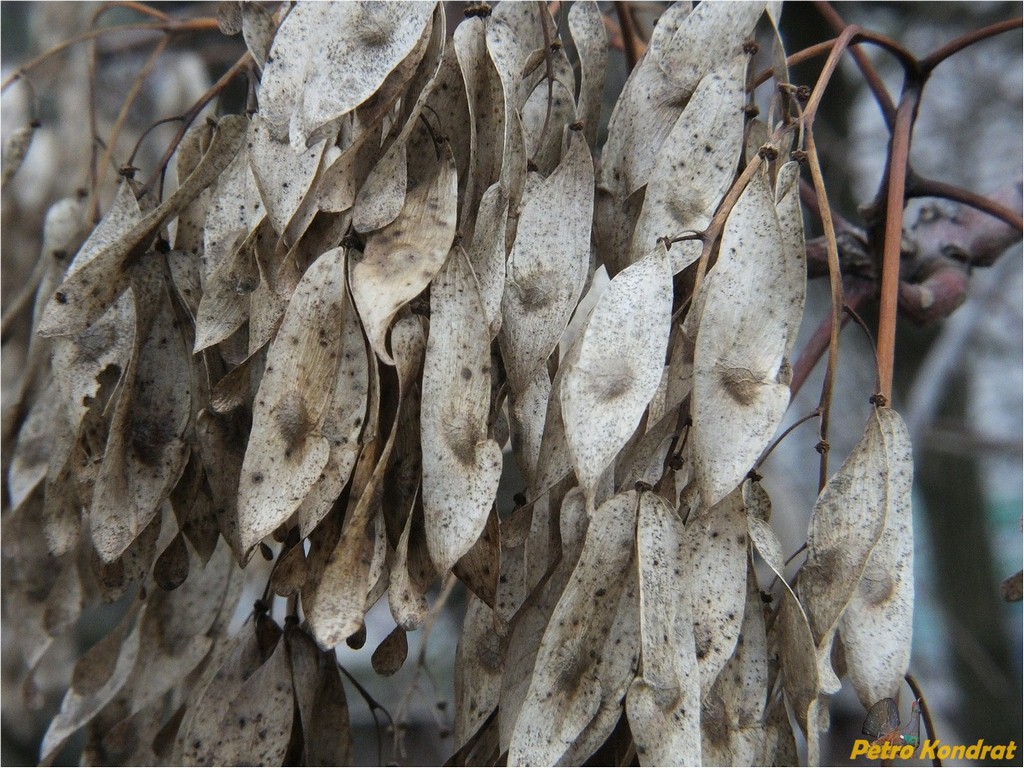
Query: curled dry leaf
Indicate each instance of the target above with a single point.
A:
(796, 647)
(284, 176)
(390, 655)
(534, 601)
(487, 252)
(479, 568)
(695, 167)
(257, 722)
(171, 568)
(226, 302)
(542, 139)
(615, 371)
(478, 670)
(877, 625)
(485, 102)
(591, 41)
(547, 267)
(732, 720)
(16, 147)
(707, 36)
(320, 698)
(343, 422)
(354, 569)
(30, 463)
(685, 46)
(644, 106)
(98, 677)
(793, 290)
(619, 660)
(229, 17)
(146, 450)
(717, 546)
(345, 173)
(409, 77)
(359, 45)
(510, 43)
(565, 694)
(663, 704)
(258, 29)
(401, 259)
(461, 465)
(99, 276)
(286, 451)
(849, 519)
(179, 629)
(235, 208)
(740, 371)
(407, 590)
(381, 197)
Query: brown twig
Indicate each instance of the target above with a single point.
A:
(871, 77)
(832, 249)
(857, 292)
(926, 714)
(775, 443)
(836, 315)
(630, 41)
(172, 27)
(919, 186)
(115, 132)
(145, 10)
(186, 120)
(895, 179)
(936, 57)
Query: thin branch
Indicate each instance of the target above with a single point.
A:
(145, 10)
(932, 60)
(173, 27)
(630, 40)
(919, 186)
(115, 132)
(857, 292)
(836, 315)
(871, 77)
(838, 49)
(775, 443)
(899, 156)
(832, 248)
(193, 112)
(926, 714)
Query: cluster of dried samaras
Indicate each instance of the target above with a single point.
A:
(359, 304)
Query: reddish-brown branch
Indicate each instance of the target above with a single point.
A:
(895, 180)
(932, 60)
(832, 250)
(810, 202)
(630, 41)
(971, 234)
(919, 186)
(857, 293)
(871, 77)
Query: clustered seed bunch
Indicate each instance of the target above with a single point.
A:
(404, 270)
